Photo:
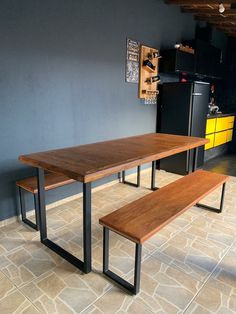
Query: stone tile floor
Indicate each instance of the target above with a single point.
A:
(188, 267)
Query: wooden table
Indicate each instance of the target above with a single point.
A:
(88, 163)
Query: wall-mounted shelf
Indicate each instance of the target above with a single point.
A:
(149, 60)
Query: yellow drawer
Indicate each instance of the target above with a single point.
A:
(224, 123)
(229, 135)
(220, 138)
(231, 119)
(211, 143)
(210, 126)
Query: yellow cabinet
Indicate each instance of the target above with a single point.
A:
(220, 138)
(229, 135)
(224, 123)
(210, 126)
(211, 138)
(219, 131)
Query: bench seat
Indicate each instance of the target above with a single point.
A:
(144, 217)
(52, 181)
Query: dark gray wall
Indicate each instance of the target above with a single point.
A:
(62, 79)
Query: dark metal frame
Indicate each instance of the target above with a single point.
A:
(134, 289)
(23, 210)
(214, 209)
(131, 183)
(153, 176)
(195, 155)
(217, 210)
(85, 265)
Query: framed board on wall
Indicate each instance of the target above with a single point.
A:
(132, 61)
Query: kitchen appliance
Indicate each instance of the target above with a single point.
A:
(213, 109)
(184, 108)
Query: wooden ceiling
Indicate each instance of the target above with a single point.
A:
(208, 11)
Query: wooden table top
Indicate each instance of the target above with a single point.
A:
(90, 162)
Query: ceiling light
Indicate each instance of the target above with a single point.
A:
(221, 8)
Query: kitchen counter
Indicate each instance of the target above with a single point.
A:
(219, 115)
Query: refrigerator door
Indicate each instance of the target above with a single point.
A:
(176, 119)
(184, 112)
(200, 99)
(176, 108)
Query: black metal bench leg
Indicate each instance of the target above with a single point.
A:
(22, 204)
(23, 211)
(217, 210)
(130, 183)
(134, 289)
(153, 177)
(195, 155)
(36, 210)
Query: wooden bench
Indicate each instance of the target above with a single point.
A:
(144, 217)
(52, 181)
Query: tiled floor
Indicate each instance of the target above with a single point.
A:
(225, 164)
(189, 267)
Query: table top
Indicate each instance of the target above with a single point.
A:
(90, 162)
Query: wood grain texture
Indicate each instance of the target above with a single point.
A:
(52, 181)
(87, 163)
(141, 219)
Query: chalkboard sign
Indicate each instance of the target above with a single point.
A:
(132, 61)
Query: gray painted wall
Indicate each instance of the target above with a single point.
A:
(62, 79)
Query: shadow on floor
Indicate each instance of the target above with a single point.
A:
(225, 164)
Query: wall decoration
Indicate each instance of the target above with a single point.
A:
(132, 61)
(148, 74)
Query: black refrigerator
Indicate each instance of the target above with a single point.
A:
(184, 108)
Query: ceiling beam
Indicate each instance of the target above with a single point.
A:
(215, 19)
(222, 21)
(198, 2)
(209, 11)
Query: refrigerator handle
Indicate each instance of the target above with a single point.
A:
(196, 94)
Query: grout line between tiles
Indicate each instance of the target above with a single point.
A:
(18, 290)
(208, 277)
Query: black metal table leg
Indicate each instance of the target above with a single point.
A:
(87, 226)
(153, 176)
(134, 289)
(131, 183)
(41, 204)
(85, 265)
(214, 209)
(195, 155)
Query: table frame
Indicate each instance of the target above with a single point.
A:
(86, 264)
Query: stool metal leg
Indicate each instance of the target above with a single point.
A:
(217, 210)
(23, 211)
(130, 183)
(134, 289)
